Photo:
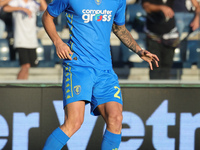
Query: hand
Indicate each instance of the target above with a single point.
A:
(195, 23)
(148, 57)
(27, 11)
(168, 12)
(63, 51)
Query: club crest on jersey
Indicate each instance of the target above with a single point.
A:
(98, 2)
(77, 89)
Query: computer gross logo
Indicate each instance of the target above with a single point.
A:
(96, 15)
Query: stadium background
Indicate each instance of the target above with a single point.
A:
(160, 115)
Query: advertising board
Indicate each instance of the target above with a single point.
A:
(154, 118)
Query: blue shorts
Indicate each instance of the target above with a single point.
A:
(91, 85)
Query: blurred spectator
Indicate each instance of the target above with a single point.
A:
(187, 21)
(25, 32)
(2, 15)
(162, 35)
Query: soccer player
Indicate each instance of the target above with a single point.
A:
(88, 76)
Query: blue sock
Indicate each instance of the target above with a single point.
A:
(110, 141)
(56, 140)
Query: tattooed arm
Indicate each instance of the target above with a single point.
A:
(127, 39)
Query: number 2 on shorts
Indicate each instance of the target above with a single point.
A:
(117, 93)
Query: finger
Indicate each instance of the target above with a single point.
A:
(69, 57)
(60, 55)
(64, 54)
(157, 65)
(70, 52)
(155, 61)
(172, 14)
(156, 57)
(150, 65)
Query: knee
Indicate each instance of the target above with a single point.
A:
(73, 125)
(115, 120)
(77, 125)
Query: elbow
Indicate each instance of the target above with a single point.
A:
(5, 8)
(114, 28)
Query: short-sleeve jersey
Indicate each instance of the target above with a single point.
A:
(25, 29)
(90, 24)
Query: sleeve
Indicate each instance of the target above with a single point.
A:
(120, 14)
(13, 3)
(56, 7)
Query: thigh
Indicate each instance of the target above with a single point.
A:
(33, 57)
(179, 18)
(75, 111)
(23, 56)
(106, 89)
(167, 57)
(74, 117)
(110, 108)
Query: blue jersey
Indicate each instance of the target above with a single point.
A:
(90, 24)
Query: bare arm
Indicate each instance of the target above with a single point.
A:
(126, 38)
(8, 8)
(4, 2)
(196, 5)
(195, 23)
(43, 5)
(149, 7)
(62, 49)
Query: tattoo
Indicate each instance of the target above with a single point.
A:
(125, 37)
